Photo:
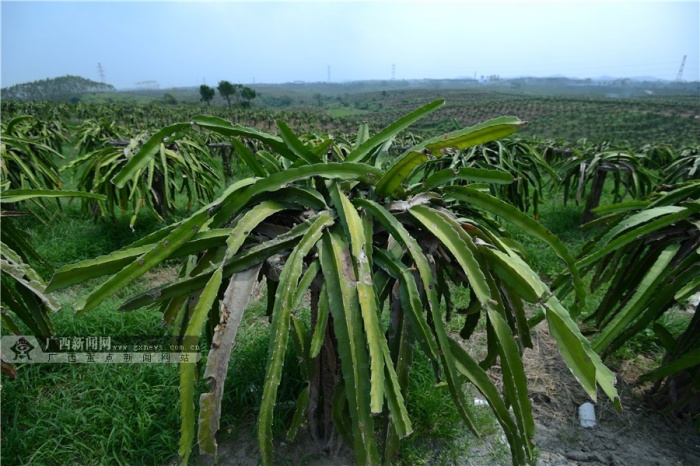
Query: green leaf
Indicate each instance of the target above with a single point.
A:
(306, 198)
(393, 392)
(279, 330)
(25, 294)
(572, 349)
(480, 175)
(367, 299)
(321, 324)
(628, 235)
(187, 375)
(39, 302)
(295, 145)
(271, 163)
(459, 244)
(487, 131)
(584, 363)
(517, 274)
(478, 376)
(17, 195)
(305, 283)
(362, 134)
(517, 218)
(15, 121)
(248, 158)
(364, 151)
(221, 126)
(245, 225)
(150, 148)
(401, 342)
(147, 261)
(114, 262)
(620, 207)
(9, 324)
(23, 302)
(187, 369)
(414, 305)
(399, 232)
(638, 219)
(655, 277)
(391, 182)
(340, 412)
(345, 171)
(684, 191)
(665, 337)
(301, 344)
(241, 261)
(166, 177)
(514, 380)
(690, 289)
(177, 307)
(344, 306)
(686, 361)
(299, 414)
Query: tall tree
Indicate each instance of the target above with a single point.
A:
(227, 90)
(207, 93)
(247, 94)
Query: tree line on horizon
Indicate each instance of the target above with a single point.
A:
(70, 88)
(62, 88)
(241, 95)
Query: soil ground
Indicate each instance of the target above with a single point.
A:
(640, 435)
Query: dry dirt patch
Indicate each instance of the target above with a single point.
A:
(640, 435)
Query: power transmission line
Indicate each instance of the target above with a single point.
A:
(101, 72)
(679, 77)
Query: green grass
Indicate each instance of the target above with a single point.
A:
(92, 414)
(73, 237)
(101, 414)
(58, 414)
(440, 435)
(89, 414)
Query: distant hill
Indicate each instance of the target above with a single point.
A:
(632, 78)
(63, 88)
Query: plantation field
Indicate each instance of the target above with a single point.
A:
(642, 120)
(635, 113)
(322, 168)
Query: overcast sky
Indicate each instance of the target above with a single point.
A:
(190, 43)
